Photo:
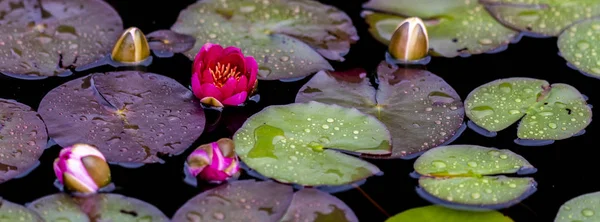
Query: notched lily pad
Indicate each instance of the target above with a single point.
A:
(419, 108)
(14, 212)
(291, 143)
(551, 112)
(164, 43)
(314, 205)
(460, 177)
(438, 213)
(49, 37)
(455, 27)
(579, 45)
(132, 117)
(541, 17)
(23, 139)
(287, 38)
(582, 208)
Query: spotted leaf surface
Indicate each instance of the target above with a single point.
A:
(288, 38)
(48, 37)
(14, 212)
(419, 108)
(455, 27)
(132, 117)
(470, 160)
(245, 200)
(485, 192)
(541, 17)
(582, 208)
(552, 112)
(293, 143)
(165, 43)
(439, 213)
(47, 207)
(23, 139)
(314, 205)
(580, 44)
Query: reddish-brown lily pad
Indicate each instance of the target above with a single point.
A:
(164, 43)
(315, 205)
(132, 117)
(23, 139)
(49, 37)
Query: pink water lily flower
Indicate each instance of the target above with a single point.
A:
(223, 76)
(214, 162)
(82, 168)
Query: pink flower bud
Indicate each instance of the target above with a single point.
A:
(214, 162)
(82, 168)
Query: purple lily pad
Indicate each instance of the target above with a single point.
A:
(315, 205)
(23, 139)
(166, 42)
(419, 108)
(49, 37)
(14, 212)
(132, 117)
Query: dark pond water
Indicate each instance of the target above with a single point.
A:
(566, 168)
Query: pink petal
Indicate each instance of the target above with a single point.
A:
(206, 77)
(217, 160)
(232, 50)
(57, 169)
(212, 55)
(213, 175)
(242, 85)
(235, 60)
(252, 70)
(199, 153)
(196, 87)
(210, 90)
(229, 87)
(236, 99)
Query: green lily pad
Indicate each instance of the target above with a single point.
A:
(541, 17)
(287, 38)
(14, 212)
(290, 143)
(419, 108)
(49, 37)
(101, 207)
(582, 208)
(466, 177)
(455, 27)
(437, 213)
(315, 205)
(552, 112)
(579, 43)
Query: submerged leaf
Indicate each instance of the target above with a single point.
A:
(167, 42)
(23, 139)
(582, 208)
(579, 43)
(131, 117)
(438, 213)
(48, 37)
(282, 35)
(289, 143)
(314, 205)
(455, 27)
(419, 108)
(541, 17)
(552, 112)
(14, 212)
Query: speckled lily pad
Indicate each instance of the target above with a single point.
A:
(583, 208)
(132, 117)
(580, 44)
(552, 112)
(541, 17)
(459, 176)
(14, 212)
(438, 213)
(48, 37)
(288, 38)
(164, 43)
(291, 143)
(23, 139)
(102, 207)
(315, 205)
(455, 27)
(419, 108)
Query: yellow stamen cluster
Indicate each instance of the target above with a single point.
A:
(221, 73)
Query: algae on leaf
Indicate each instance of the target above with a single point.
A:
(579, 44)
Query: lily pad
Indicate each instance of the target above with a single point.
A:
(102, 207)
(166, 42)
(455, 27)
(551, 112)
(582, 208)
(419, 108)
(437, 213)
(287, 38)
(14, 212)
(290, 143)
(458, 176)
(315, 205)
(541, 17)
(23, 139)
(49, 37)
(130, 116)
(579, 43)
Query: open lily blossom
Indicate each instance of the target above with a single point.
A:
(223, 76)
(214, 162)
(82, 168)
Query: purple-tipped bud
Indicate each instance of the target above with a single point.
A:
(82, 168)
(214, 162)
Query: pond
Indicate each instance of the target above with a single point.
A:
(565, 168)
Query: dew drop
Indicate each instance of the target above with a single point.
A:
(475, 195)
(512, 185)
(546, 114)
(284, 58)
(583, 45)
(219, 216)
(485, 41)
(329, 120)
(438, 164)
(505, 87)
(514, 112)
(307, 130)
(472, 164)
(503, 156)
(482, 111)
(552, 125)
(325, 126)
(587, 212)
(355, 132)
(494, 153)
